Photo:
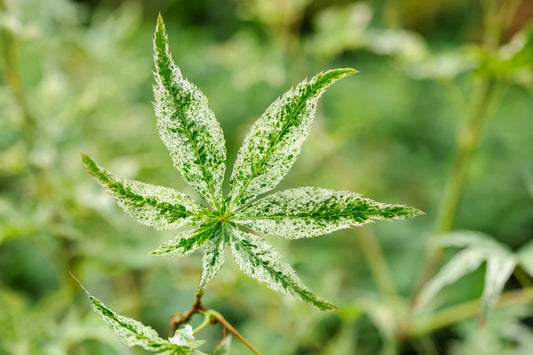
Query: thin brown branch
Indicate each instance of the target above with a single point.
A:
(214, 317)
(220, 319)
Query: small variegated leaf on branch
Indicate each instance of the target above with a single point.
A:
(189, 240)
(275, 140)
(134, 333)
(312, 211)
(259, 260)
(187, 126)
(152, 205)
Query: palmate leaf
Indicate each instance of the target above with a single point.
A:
(275, 140)
(312, 211)
(156, 206)
(134, 333)
(479, 248)
(196, 145)
(187, 126)
(260, 261)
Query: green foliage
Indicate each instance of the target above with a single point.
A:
(196, 145)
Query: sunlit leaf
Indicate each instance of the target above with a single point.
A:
(312, 211)
(257, 259)
(187, 126)
(275, 140)
(156, 206)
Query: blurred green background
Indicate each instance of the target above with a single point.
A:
(77, 76)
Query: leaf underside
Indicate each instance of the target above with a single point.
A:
(311, 211)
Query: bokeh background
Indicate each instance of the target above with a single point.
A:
(77, 76)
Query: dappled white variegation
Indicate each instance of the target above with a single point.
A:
(213, 258)
(479, 248)
(196, 145)
(275, 140)
(187, 126)
(134, 333)
(312, 211)
(184, 336)
(261, 261)
(152, 205)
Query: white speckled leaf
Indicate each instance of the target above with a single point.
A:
(188, 241)
(312, 211)
(257, 259)
(187, 126)
(156, 206)
(275, 140)
(213, 257)
(133, 332)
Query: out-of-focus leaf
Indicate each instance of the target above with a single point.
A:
(479, 248)
(224, 346)
(525, 257)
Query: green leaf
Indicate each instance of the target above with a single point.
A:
(213, 257)
(187, 126)
(156, 206)
(311, 211)
(133, 332)
(525, 257)
(188, 241)
(275, 140)
(260, 261)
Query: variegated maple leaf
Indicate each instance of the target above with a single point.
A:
(195, 141)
